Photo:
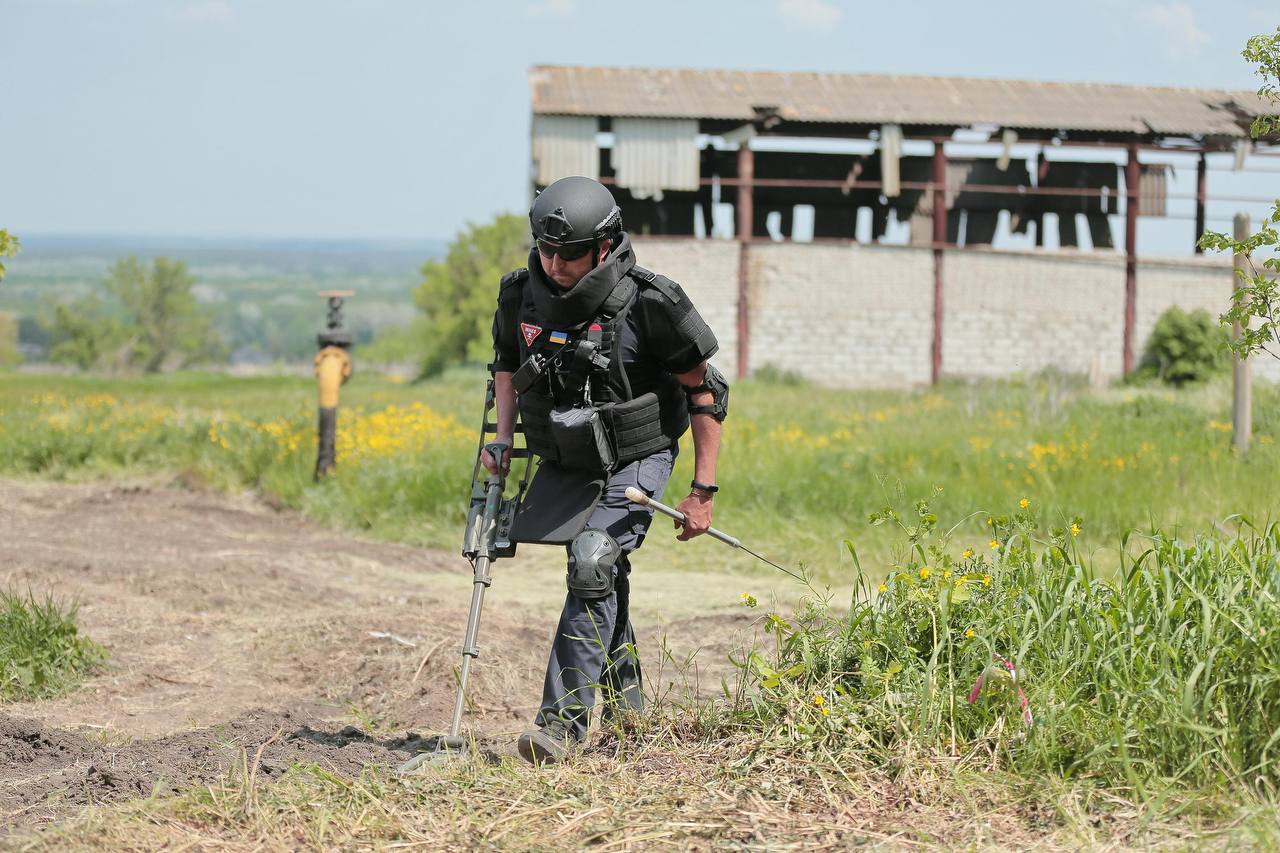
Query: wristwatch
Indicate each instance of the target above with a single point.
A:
(704, 487)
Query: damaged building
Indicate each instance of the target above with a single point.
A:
(906, 185)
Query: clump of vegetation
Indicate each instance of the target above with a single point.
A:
(1185, 347)
(456, 297)
(41, 650)
(150, 323)
(1015, 653)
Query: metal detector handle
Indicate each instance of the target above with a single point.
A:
(496, 449)
(638, 497)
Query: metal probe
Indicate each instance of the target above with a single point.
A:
(636, 496)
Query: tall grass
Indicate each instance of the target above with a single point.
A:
(1021, 656)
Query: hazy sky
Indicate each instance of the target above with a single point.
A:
(390, 118)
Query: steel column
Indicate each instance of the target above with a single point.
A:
(746, 213)
(1201, 192)
(1131, 179)
(939, 239)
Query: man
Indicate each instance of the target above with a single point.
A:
(607, 364)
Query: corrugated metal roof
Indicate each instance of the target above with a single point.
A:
(885, 99)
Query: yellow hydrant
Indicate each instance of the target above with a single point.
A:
(333, 368)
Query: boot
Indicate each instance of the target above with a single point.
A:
(550, 744)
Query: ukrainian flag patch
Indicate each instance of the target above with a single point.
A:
(558, 337)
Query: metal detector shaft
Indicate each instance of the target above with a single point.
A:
(480, 582)
(636, 496)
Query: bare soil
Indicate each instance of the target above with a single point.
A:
(243, 635)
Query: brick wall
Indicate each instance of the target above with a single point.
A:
(852, 315)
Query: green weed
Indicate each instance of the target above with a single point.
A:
(1017, 654)
(41, 650)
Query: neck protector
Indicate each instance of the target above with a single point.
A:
(581, 302)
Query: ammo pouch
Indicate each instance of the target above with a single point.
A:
(637, 428)
(581, 439)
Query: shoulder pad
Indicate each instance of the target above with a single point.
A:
(660, 283)
(514, 277)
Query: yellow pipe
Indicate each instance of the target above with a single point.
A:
(333, 367)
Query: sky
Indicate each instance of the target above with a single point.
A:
(395, 119)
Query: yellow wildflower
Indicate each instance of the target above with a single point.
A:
(986, 580)
(946, 574)
(968, 635)
(749, 600)
(884, 588)
(924, 573)
(819, 700)
(1075, 529)
(968, 552)
(826, 712)
(994, 545)
(1024, 503)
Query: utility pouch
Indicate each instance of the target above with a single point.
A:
(530, 372)
(637, 428)
(581, 439)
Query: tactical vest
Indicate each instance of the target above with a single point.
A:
(636, 426)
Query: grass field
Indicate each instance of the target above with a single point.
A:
(802, 468)
(1038, 616)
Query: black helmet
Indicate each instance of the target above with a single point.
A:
(575, 212)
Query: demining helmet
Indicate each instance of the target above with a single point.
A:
(571, 216)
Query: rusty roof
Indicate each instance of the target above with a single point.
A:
(896, 99)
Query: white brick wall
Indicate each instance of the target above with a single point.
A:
(844, 315)
(708, 272)
(860, 316)
(1007, 313)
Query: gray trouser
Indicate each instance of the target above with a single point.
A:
(594, 645)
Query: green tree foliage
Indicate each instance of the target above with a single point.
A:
(1256, 303)
(1184, 347)
(84, 334)
(153, 324)
(458, 294)
(9, 246)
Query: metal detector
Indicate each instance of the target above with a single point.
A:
(490, 518)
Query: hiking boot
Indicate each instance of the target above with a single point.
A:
(550, 744)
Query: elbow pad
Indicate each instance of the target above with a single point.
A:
(714, 382)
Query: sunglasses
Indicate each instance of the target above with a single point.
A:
(571, 252)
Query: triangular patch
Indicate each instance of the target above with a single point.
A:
(530, 332)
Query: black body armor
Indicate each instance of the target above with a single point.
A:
(581, 367)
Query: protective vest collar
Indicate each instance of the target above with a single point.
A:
(581, 302)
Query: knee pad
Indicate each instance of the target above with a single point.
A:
(592, 557)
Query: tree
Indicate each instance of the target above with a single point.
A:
(1256, 302)
(458, 295)
(155, 323)
(9, 246)
(84, 333)
(168, 328)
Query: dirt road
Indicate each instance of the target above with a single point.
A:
(237, 631)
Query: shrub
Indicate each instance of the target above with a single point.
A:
(41, 650)
(1185, 347)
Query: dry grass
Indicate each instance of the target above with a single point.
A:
(665, 786)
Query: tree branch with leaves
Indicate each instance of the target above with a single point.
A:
(9, 247)
(1256, 301)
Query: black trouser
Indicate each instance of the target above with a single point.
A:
(594, 645)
